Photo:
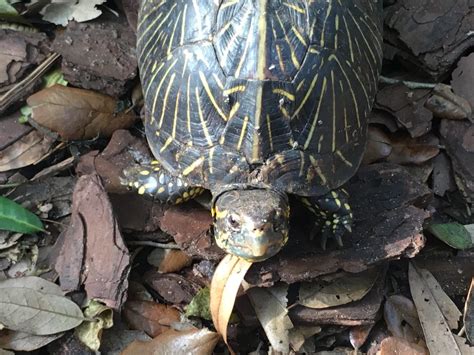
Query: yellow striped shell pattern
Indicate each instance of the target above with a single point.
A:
(272, 92)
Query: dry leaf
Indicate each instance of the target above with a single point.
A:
(60, 12)
(20, 341)
(76, 113)
(41, 313)
(28, 150)
(224, 288)
(189, 342)
(270, 305)
(402, 319)
(469, 314)
(358, 335)
(99, 317)
(398, 346)
(438, 336)
(169, 260)
(342, 290)
(151, 317)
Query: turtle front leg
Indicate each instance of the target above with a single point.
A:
(333, 213)
(154, 181)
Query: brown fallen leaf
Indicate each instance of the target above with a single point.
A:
(469, 314)
(151, 317)
(76, 113)
(342, 290)
(192, 342)
(28, 150)
(224, 288)
(397, 346)
(438, 335)
(444, 103)
(169, 260)
(358, 335)
(270, 305)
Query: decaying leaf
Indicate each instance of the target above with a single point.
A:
(342, 290)
(224, 288)
(199, 306)
(468, 316)
(437, 313)
(270, 305)
(454, 234)
(402, 319)
(151, 317)
(446, 104)
(19, 341)
(16, 218)
(28, 150)
(397, 346)
(99, 317)
(60, 12)
(193, 342)
(169, 260)
(37, 312)
(77, 113)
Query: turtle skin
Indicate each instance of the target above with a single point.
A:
(258, 94)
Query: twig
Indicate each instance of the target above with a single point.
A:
(409, 84)
(154, 244)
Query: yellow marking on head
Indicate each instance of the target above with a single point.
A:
(141, 190)
(234, 90)
(161, 190)
(193, 166)
(221, 214)
(213, 211)
(155, 162)
(145, 172)
(285, 93)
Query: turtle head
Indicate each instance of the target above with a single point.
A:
(251, 223)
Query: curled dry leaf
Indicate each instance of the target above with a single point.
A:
(469, 314)
(28, 150)
(444, 103)
(342, 290)
(192, 342)
(436, 313)
(77, 114)
(151, 317)
(270, 305)
(90, 331)
(224, 288)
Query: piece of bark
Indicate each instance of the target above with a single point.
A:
(173, 288)
(388, 211)
(458, 138)
(93, 253)
(429, 34)
(19, 53)
(98, 55)
(189, 224)
(407, 106)
(463, 77)
(361, 312)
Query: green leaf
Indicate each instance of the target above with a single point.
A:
(6, 10)
(199, 305)
(15, 218)
(54, 77)
(455, 235)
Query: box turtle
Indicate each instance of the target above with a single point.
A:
(254, 100)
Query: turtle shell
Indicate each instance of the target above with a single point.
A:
(272, 92)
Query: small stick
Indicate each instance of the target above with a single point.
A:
(409, 84)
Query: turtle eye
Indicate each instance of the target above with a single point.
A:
(233, 222)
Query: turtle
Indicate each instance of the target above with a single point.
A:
(255, 101)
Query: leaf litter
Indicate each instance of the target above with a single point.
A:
(420, 143)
